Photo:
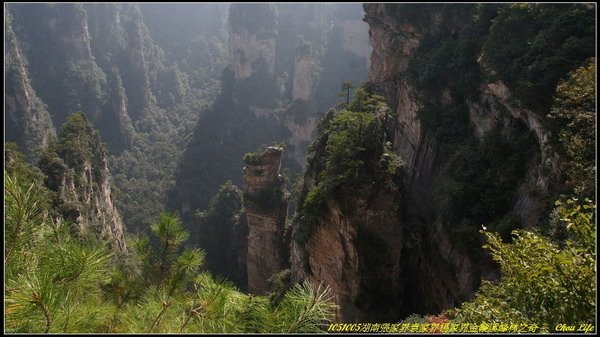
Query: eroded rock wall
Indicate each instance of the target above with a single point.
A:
(265, 202)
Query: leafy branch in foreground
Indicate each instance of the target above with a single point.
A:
(57, 282)
(542, 283)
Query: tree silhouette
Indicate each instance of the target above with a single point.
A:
(345, 91)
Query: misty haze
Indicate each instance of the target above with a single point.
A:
(299, 168)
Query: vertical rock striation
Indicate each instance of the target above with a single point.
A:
(28, 122)
(303, 74)
(252, 34)
(76, 167)
(356, 249)
(265, 202)
(474, 153)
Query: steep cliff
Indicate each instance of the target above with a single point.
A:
(265, 203)
(77, 171)
(58, 50)
(86, 57)
(76, 52)
(252, 33)
(303, 77)
(28, 121)
(477, 151)
(348, 228)
(286, 64)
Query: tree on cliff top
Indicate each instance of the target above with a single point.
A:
(345, 92)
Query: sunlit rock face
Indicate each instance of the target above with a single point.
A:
(252, 33)
(79, 175)
(303, 76)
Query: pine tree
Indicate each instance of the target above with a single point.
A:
(57, 282)
(345, 92)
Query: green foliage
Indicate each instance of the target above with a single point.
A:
(528, 46)
(481, 176)
(51, 278)
(224, 134)
(24, 214)
(350, 152)
(481, 181)
(572, 122)
(77, 150)
(56, 283)
(369, 102)
(414, 318)
(312, 207)
(445, 72)
(447, 57)
(351, 136)
(268, 196)
(541, 282)
(170, 236)
(15, 164)
(77, 140)
(273, 193)
(532, 46)
(279, 284)
(252, 158)
(304, 308)
(345, 88)
(221, 231)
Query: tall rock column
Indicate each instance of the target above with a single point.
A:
(303, 73)
(27, 118)
(252, 33)
(76, 167)
(265, 201)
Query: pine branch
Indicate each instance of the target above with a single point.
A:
(38, 301)
(157, 319)
(191, 312)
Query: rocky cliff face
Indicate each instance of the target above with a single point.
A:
(395, 38)
(60, 58)
(287, 62)
(474, 155)
(77, 171)
(349, 227)
(445, 273)
(28, 121)
(108, 61)
(303, 76)
(356, 249)
(99, 59)
(252, 33)
(265, 202)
